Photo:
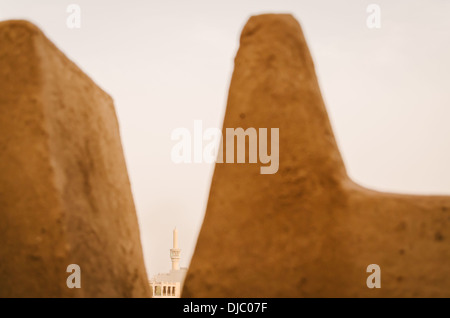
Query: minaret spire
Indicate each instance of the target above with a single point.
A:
(175, 238)
(175, 251)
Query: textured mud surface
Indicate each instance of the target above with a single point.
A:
(307, 230)
(65, 196)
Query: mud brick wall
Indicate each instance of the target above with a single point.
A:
(65, 196)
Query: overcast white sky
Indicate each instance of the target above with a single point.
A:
(167, 63)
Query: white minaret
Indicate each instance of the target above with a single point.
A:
(175, 252)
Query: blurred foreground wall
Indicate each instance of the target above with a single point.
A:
(307, 230)
(65, 197)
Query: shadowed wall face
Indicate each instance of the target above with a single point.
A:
(306, 230)
(65, 197)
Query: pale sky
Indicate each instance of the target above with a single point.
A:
(167, 63)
